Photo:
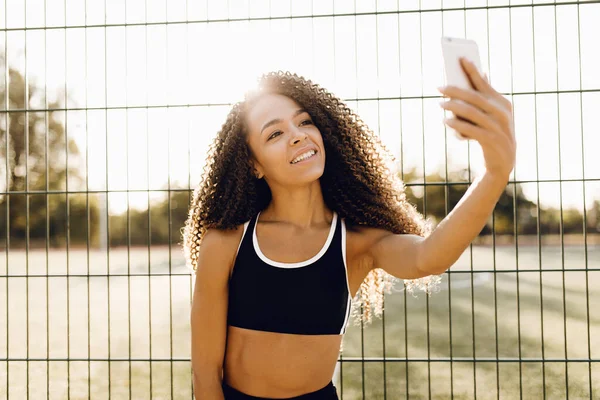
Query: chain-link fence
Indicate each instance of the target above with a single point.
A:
(106, 112)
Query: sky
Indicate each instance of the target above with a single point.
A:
(532, 52)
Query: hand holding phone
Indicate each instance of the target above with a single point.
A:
(453, 49)
(481, 113)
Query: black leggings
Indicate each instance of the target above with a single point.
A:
(327, 393)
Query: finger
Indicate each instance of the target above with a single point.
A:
(467, 129)
(470, 113)
(469, 96)
(507, 104)
(479, 83)
(503, 100)
(476, 99)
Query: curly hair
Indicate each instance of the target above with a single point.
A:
(359, 181)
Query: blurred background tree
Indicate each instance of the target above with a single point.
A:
(34, 148)
(152, 226)
(437, 198)
(38, 156)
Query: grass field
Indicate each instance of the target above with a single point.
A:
(149, 320)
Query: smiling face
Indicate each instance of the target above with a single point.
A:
(279, 131)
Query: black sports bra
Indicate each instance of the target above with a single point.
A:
(310, 297)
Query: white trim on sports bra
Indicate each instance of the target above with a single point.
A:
(349, 304)
(297, 264)
(242, 239)
(238, 248)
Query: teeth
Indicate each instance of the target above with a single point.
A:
(304, 156)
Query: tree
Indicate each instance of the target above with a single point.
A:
(151, 226)
(34, 148)
(438, 196)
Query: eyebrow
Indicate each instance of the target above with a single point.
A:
(278, 120)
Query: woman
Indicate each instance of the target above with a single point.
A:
(298, 213)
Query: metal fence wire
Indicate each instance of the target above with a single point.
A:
(106, 112)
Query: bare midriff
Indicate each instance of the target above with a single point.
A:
(279, 365)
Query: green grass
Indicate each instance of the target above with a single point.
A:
(471, 315)
(463, 324)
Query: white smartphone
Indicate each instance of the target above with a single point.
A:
(452, 50)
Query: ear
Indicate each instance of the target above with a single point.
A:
(257, 170)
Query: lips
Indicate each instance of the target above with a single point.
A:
(305, 158)
(302, 151)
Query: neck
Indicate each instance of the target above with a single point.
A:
(303, 207)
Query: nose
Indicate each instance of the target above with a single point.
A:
(298, 135)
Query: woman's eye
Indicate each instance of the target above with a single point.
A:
(274, 134)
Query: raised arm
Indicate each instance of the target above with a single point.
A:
(484, 115)
(209, 313)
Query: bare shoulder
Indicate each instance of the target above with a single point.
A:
(216, 237)
(361, 239)
(360, 261)
(218, 249)
(368, 244)
(399, 255)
